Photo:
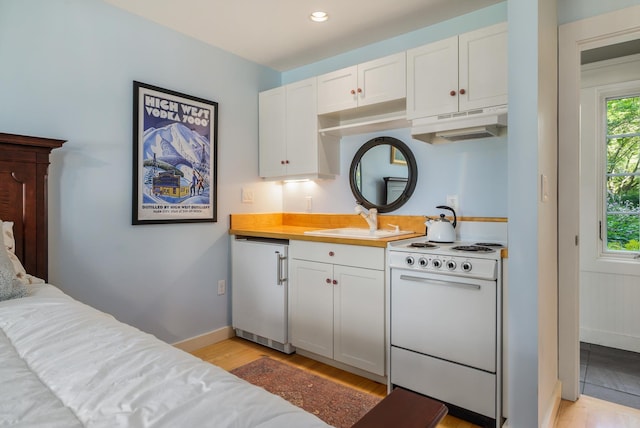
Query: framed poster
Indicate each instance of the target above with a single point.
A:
(397, 157)
(174, 157)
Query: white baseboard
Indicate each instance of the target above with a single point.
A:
(205, 339)
(610, 339)
(551, 411)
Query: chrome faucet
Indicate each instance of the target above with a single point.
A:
(370, 215)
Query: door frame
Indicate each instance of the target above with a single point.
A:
(573, 38)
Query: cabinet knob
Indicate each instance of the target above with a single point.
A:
(335, 282)
(462, 92)
(287, 161)
(452, 93)
(331, 253)
(353, 92)
(328, 281)
(359, 90)
(281, 162)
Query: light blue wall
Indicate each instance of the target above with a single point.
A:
(523, 215)
(574, 10)
(67, 72)
(476, 171)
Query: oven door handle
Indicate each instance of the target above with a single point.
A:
(438, 282)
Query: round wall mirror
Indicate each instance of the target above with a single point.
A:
(383, 174)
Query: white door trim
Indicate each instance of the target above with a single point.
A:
(602, 30)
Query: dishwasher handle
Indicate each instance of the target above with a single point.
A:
(439, 282)
(280, 261)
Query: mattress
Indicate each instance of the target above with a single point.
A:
(66, 364)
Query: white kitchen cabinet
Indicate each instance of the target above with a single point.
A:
(458, 74)
(289, 143)
(311, 300)
(369, 83)
(272, 129)
(337, 303)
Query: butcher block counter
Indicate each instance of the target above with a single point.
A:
(293, 226)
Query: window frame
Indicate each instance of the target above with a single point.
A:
(611, 92)
(599, 80)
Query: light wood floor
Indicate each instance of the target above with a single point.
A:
(587, 412)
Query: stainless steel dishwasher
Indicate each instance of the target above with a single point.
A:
(259, 291)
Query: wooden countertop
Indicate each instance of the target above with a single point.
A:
(293, 226)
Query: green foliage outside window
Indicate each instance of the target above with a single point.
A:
(623, 174)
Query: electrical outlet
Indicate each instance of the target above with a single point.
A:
(309, 203)
(247, 196)
(222, 287)
(452, 201)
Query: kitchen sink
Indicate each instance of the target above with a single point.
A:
(359, 233)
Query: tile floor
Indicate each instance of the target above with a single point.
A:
(610, 374)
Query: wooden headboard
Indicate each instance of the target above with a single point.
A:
(23, 196)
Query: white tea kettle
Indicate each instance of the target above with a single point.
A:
(441, 230)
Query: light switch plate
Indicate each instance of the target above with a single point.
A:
(544, 188)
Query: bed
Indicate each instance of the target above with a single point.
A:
(66, 364)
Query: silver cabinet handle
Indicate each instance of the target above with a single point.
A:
(279, 261)
(435, 281)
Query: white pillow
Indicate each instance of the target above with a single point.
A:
(9, 240)
(10, 244)
(10, 285)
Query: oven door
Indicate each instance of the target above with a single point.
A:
(446, 317)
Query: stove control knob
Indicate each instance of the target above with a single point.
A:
(423, 262)
(466, 266)
(409, 260)
(436, 263)
(451, 265)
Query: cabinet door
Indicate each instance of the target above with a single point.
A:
(359, 318)
(302, 128)
(382, 80)
(483, 67)
(432, 79)
(311, 306)
(337, 90)
(272, 132)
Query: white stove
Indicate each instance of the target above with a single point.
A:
(445, 324)
(464, 259)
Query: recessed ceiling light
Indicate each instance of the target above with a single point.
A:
(319, 16)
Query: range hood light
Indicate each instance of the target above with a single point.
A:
(469, 125)
(469, 133)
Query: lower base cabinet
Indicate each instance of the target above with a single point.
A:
(336, 303)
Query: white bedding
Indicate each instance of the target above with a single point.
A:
(65, 364)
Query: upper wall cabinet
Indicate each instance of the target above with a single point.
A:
(460, 73)
(373, 82)
(289, 143)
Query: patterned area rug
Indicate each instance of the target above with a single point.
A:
(335, 404)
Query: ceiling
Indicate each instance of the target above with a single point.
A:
(279, 33)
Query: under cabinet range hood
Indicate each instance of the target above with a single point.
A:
(469, 125)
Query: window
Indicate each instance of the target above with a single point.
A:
(620, 227)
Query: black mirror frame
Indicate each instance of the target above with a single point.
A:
(412, 177)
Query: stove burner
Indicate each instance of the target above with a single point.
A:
(488, 244)
(422, 245)
(473, 248)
